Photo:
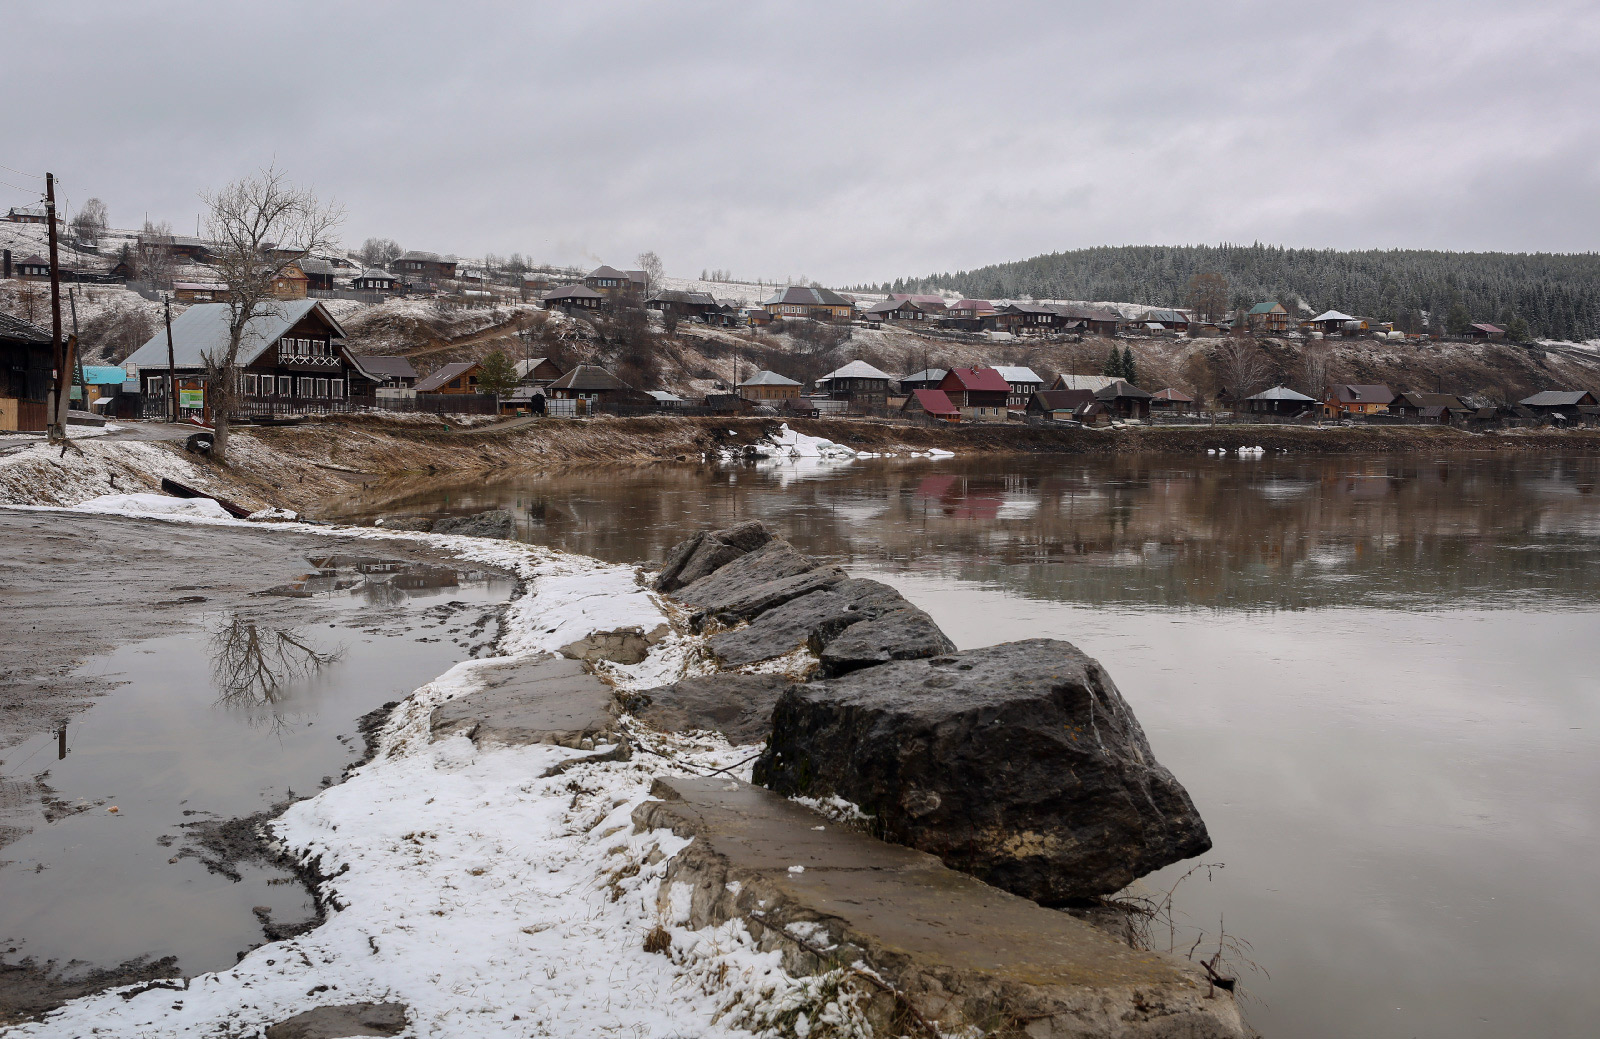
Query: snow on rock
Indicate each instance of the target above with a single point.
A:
(786, 443)
(154, 505)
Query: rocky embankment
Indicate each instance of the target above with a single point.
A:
(986, 785)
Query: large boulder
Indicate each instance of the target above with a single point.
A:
(743, 587)
(1020, 764)
(698, 556)
(738, 706)
(816, 620)
(339, 1022)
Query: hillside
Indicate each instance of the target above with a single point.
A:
(1557, 295)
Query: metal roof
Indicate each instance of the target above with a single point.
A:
(1017, 373)
(766, 378)
(1331, 315)
(1172, 394)
(572, 292)
(806, 295)
(588, 377)
(20, 331)
(935, 402)
(375, 274)
(933, 375)
(982, 379)
(203, 329)
(855, 370)
(104, 375)
(529, 366)
(1484, 326)
(697, 299)
(1121, 388)
(1082, 382)
(1062, 400)
(1555, 399)
(389, 365)
(1265, 308)
(1359, 393)
(1282, 393)
(664, 397)
(437, 378)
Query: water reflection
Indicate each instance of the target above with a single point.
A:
(1275, 533)
(252, 662)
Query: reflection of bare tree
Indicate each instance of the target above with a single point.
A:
(252, 662)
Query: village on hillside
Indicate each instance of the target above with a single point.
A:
(384, 329)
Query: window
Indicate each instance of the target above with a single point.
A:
(322, 387)
(337, 386)
(266, 385)
(250, 385)
(283, 385)
(306, 386)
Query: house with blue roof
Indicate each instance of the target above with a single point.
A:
(292, 360)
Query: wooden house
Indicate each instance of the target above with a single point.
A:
(573, 297)
(375, 279)
(608, 281)
(1028, 319)
(686, 306)
(424, 268)
(1058, 405)
(981, 394)
(595, 385)
(765, 385)
(1347, 399)
(292, 354)
(857, 383)
(290, 283)
(1082, 382)
(28, 215)
(199, 291)
(33, 267)
(318, 272)
(802, 301)
(1560, 405)
(1280, 401)
(25, 367)
(935, 404)
(927, 379)
(904, 311)
(456, 377)
(1329, 322)
(388, 370)
(1484, 330)
(1094, 320)
(1267, 319)
(1024, 383)
(1441, 408)
(1124, 400)
(1173, 402)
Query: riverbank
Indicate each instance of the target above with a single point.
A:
(304, 467)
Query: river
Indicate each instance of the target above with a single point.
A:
(1376, 677)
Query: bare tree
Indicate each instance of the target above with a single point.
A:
(1241, 367)
(1208, 296)
(245, 219)
(251, 663)
(1315, 369)
(380, 252)
(155, 261)
(90, 221)
(650, 263)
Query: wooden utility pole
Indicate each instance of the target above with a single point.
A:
(172, 368)
(75, 353)
(56, 421)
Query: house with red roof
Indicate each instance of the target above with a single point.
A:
(935, 404)
(979, 393)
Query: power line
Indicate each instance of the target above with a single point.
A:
(19, 173)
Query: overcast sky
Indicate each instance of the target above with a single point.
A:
(843, 142)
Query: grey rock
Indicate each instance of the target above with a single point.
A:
(753, 600)
(418, 523)
(549, 701)
(735, 580)
(338, 1022)
(954, 952)
(1020, 764)
(710, 555)
(813, 620)
(496, 523)
(672, 565)
(746, 537)
(623, 646)
(738, 706)
(703, 553)
(903, 634)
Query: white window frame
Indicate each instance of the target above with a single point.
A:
(250, 385)
(307, 387)
(336, 388)
(285, 386)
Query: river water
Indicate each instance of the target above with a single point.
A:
(1376, 677)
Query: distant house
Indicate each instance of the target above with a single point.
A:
(1483, 330)
(1172, 320)
(1124, 400)
(1173, 402)
(608, 281)
(574, 297)
(27, 215)
(801, 301)
(199, 291)
(25, 366)
(1430, 407)
(1280, 400)
(858, 383)
(456, 377)
(33, 267)
(104, 382)
(899, 311)
(927, 379)
(375, 279)
(1329, 322)
(1024, 383)
(1094, 320)
(292, 355)
(933, 403)
(1058, 405)
(1560, 405)
(537, 371)
(1028, 319)
(1348, 399)
(666, 400)
(472, 277)
(765, 385)
(424, 268)
(593, 384)
(981, 394)
(974, 309)
(686, 306)
(319, 273)
(290, 283)
(1082, 382)
(1267, 319)
(388, 370)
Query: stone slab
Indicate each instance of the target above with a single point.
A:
(814, 620)
(338, 1022)
(738, 706)
(547, 701)
(961, 953)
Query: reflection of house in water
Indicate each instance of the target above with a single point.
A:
(955, 497)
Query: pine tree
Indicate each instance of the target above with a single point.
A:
(1130, 369)
(1113, 365)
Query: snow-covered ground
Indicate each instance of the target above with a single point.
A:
(487, 898)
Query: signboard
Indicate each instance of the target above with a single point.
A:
(195, 399)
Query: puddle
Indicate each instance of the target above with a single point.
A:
(225, 717)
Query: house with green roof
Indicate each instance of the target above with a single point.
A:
(1267, 319)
